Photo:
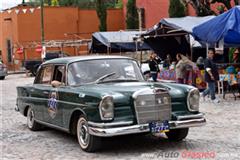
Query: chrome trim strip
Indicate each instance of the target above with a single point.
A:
(141, 128)
(110, 132)
(187, 123)
(52, 126)
(193, 116)
(106, 125)
(146, 91)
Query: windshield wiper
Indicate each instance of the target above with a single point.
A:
(124, 80)
(104, 77)
(120, 80)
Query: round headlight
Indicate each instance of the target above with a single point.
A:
(193, 100)
(106, 108)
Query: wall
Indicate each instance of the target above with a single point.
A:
(59, 23)
(9, 32)
(154, 10)
(1, 34)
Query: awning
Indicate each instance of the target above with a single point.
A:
(122, 41)
(225, 26)
(176, 26)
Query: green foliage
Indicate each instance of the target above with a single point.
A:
(38, 2)
(176, 9)
(132, 15)
(84, 4)
(227, 3)
(101, 9)
(119, 4)
(54, 3)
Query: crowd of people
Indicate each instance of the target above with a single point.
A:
(184, 66)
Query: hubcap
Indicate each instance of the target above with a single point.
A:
(30, 119)
(82, 131)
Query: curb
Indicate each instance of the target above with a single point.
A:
(17, 72)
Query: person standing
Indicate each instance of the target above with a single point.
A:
(211, 76)
(236, 56)
(180, 69)
(153, 65)
(167, 62)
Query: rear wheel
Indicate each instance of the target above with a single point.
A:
(2, 77)
(31, 123)
(177, 134)
(87, 142)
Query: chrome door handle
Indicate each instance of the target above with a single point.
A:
(45, 92)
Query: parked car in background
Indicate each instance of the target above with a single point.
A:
(104, 96)
(3, 71)
(32, 65)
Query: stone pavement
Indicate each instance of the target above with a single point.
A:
(219, 139)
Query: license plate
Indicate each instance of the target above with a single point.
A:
(159, 127)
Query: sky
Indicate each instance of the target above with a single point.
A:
(4, 4)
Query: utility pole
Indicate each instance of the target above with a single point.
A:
(42, 23)
(139, 10)
(42, 31)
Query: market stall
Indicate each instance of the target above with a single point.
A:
(224, 29)
(117, 42)
(172, 36)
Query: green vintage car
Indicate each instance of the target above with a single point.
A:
(104, 96)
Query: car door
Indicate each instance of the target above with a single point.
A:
(40, 91)
(53, 112)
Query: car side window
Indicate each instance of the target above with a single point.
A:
(59, 74)
(45, 75)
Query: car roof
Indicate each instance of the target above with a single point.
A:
(67, 60)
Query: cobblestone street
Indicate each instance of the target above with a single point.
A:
(220, 137)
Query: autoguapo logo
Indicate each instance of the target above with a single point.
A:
(186, 154)
(162, 155)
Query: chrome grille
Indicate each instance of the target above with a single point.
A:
(151, 107)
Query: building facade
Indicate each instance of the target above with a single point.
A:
(20, 30)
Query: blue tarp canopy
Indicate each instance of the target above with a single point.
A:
(225, 26)
(186, 24)
(121, 41)
(176, 27)
(171, 35)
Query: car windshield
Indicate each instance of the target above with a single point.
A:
(103, 70)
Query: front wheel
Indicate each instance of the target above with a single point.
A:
(31, 123)
(87, 142)
(177, 134)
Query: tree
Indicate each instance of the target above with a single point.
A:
(132, 15)
(203, 7)
(101, 9)
(176, 9)
(54, 3)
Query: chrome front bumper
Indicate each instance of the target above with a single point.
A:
(120, 128)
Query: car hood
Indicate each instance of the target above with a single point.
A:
(122, 92)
